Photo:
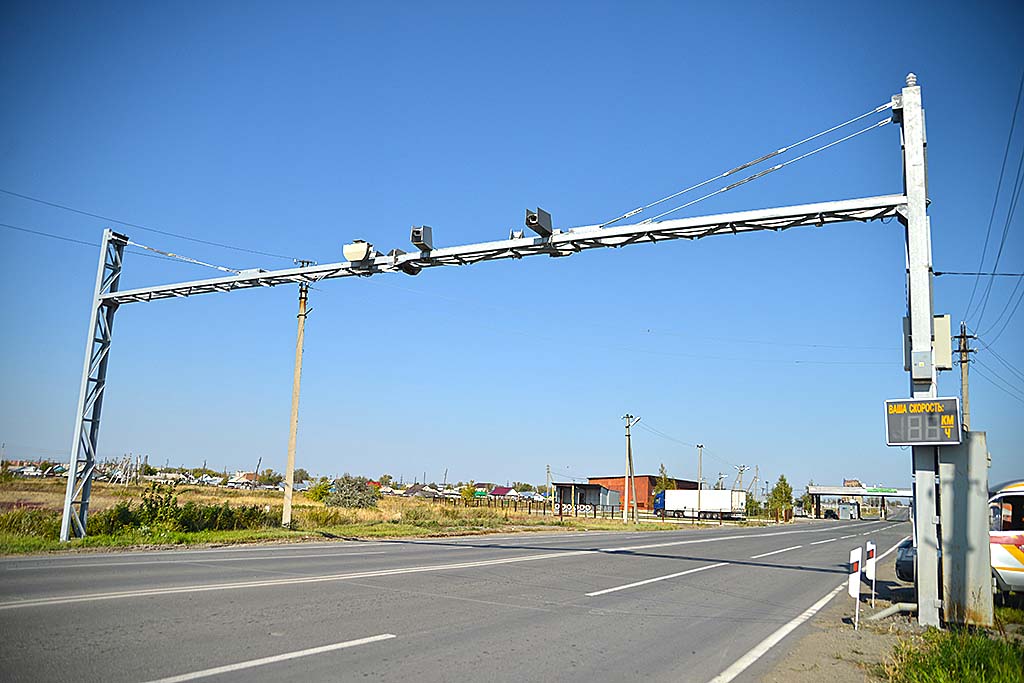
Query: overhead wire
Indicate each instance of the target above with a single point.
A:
(995, 200)
(766, 171)
(51, 235)
(766, 157)
(657, 432)
(168, 233)
(995, 354)
(1015, 196)
(993, 382)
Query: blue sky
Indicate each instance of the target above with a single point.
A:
(294, 129)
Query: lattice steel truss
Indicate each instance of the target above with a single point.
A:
(94, 380)
(559, 243)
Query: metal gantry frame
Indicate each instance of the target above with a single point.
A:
(909, 207)
(86, 433)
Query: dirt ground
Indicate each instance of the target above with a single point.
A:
(831, 650)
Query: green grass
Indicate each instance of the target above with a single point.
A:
(1009, 615)
(957, 655)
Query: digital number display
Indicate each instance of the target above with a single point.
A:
(922, 422)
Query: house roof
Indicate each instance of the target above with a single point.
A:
(503, 491)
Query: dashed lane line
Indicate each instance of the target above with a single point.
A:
(775, 552)
(655, 579)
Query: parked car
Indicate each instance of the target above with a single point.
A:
(831, 514)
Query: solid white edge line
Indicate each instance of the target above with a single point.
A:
(205, 673)
(775, 552)
(658, 578)
(759, 650)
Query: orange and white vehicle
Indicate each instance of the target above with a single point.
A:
(1006, 536)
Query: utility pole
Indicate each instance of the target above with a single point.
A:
(289, 472)
(550, 494)
(965, 360)
(630, 421)
(738, 484)
(700, 478)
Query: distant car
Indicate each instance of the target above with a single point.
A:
(906, 558)
(831, 514)
(906, 561)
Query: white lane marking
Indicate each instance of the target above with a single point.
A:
(775, 552)
(827, 540)
(92, 597)
(759, 650)
(658, 578)
(263, 661)
(285, 547)
(741, 664)
(843, 538)
(199, 560)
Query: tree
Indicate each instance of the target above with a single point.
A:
(352, 492)
(301, 475)
(386, 480)
(806, 501)
(781, 496)
(522, 486)
(270, 477)
(468, 493)
(664, 483)
(753, 508)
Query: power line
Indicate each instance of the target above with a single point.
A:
(51, 235)
(755, 162)
(669, 437)
(993, 274)
(1010, 316)
(143, 227)
(1010, 366)
(995, 200)
(988, 379)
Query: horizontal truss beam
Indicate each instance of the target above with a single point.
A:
(560, 243)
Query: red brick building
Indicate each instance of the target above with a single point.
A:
(645, 484)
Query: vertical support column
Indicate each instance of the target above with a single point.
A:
(966, 560)
(922, 365)
(289, 472)
(85, 435)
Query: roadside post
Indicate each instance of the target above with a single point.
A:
(869, 569)
(854, 584)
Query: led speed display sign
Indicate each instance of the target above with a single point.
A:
(922, 422)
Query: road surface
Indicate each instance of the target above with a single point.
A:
(688, 605)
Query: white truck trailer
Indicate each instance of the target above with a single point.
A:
(714, 504)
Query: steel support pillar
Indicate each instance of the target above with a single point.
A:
(86, 432)
(910, 114)
(966, 559)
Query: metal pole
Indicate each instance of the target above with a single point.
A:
(289, 474)
(922, 372)
(632, 479)
(86, 432)
(700, 479)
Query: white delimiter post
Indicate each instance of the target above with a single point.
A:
(922, 371)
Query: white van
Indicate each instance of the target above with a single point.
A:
(1006, 536)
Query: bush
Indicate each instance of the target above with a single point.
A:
(320, 490)
(352, 492)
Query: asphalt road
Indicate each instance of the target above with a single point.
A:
(670, 606)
